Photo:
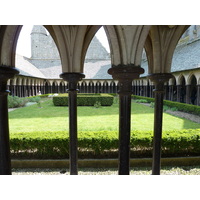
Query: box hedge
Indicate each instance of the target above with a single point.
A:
(189, 108)
(103, 144)
(84, 99)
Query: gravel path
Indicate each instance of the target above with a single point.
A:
(134, 171)
(194, 118)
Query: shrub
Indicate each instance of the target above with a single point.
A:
(15, 102)
(97, 104)
(189, 108)
(84, 100)
(141, 101)
(34, 99)
(102, 144)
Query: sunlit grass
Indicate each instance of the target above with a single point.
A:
(53, 118)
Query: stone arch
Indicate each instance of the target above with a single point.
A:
(54, 87)
(191, 78)
(173, 91)
(113, 87)
(47, 89)
(82, 34)
(180, 78)
(192, 89)
(8, 43)
(105, 87)
(91, 87)
(62, 87)
(126, 43)
(182, 89)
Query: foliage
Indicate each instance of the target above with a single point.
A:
(97, 104)
(189, 108)
(102, 144)
(15, 102)
(36, 99)
(84, 100)
(141, 101)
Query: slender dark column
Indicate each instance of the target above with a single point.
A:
(5, 161)
(159, 80)
(125, 75)
(178, 93)
(170, 93)
(73, 79)
(188, 92)
(198, 95)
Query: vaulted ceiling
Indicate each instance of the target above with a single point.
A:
(126, 44)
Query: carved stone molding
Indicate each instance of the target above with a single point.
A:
(125, 74)
(72, 79)
(5, 74)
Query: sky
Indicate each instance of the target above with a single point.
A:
(24, 41)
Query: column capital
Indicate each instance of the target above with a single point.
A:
(125, 72)
(5, 74)
(159, 79)
(72, 78)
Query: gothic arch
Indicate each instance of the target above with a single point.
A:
(181, 78)
(191, 77)
(72, 38)
(126, 43)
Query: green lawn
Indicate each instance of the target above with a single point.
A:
(51, 118)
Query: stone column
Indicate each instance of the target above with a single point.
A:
(171, 92)
(188, 94)
(159, 80)
(73, 79)
(178, 93)
(198, 95)
(5, 160)
(125, 75)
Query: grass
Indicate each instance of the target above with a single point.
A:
(54, 118)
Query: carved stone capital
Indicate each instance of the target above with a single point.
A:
(125, 74)
(159, 79)
(5, 74)
(72, 78)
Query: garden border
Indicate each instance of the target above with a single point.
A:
(103, 163)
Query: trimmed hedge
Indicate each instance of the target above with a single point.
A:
(189, 108)
(84, 99)
(103, 144)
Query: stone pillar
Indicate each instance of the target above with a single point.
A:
(125, 75)
(159, 80)
(5, 160)
(73, 79)
(188, 94)
(178, 93)
(198, 95)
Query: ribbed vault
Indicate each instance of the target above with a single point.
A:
(126, 43)
(160, 45)
(72, 43)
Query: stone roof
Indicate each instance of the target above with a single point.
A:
(186, 56)
(97, 70)
(39, 29)
(96, 51)
(26, 68)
